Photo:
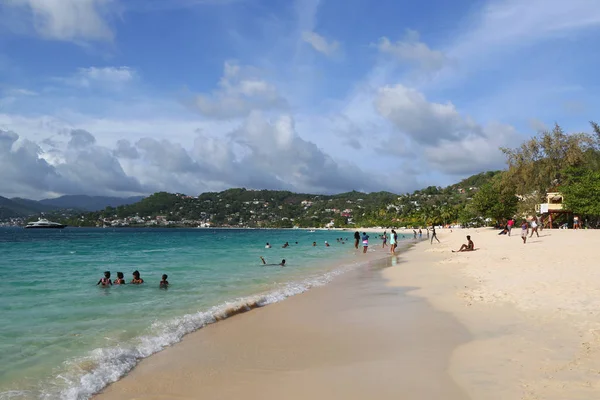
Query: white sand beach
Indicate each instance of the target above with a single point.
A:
(533, 310)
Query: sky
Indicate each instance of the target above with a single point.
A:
(131, 97)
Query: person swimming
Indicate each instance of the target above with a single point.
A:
(326, 244)
(164, 283)
(281, 264)
(120, 279)
(268, 246)
(106, 280)
(285, 245)
(136, 278)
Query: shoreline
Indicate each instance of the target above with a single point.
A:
(340, 339)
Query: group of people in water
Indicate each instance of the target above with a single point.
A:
(137, 280)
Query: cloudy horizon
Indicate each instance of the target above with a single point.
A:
(131, 97)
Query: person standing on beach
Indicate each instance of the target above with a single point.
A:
(576, 222)
(524, 231)
(420, 233)
(509, 225)
(365, 240)
(414, 234)
(384, 237)
(393, 238)
(434, 235)
(534, 228)
(356, 239)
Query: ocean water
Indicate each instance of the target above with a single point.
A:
(64, 337)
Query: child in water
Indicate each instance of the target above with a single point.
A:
(164, 283)
(136, 278)
(120, 279)
(106, 280)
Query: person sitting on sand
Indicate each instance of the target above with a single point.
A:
(466, 247)
(281, 264)
(120, 279)
(164, 283)
(136, 278)
(106, 280)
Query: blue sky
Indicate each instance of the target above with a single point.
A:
(121, 97)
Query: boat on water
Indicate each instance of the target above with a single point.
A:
(44, 224)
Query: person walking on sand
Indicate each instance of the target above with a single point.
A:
(509, 225)
(575, 222)
(356, 239)
(434, 235)
(365, 240)
(534, 228)
(524, 231)
(466, 247)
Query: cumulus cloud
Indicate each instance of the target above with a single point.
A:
(412, 50)
(82, 167)
(424, 122)
(473, 153)
(67, 20)
(449, 141)
(240, 91)
(320, 44)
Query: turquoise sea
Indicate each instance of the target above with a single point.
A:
(63, 337)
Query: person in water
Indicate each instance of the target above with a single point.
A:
(326, 244)
(164, 283)
(466, 247)
(285, 245)
(393, 240)
(356, 239)
(365, 241)
(314, 244)
(106, 280)
(120, 279)
(268, 246)
(281, 264)
(136, 278)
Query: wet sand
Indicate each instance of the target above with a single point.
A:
(355, 338)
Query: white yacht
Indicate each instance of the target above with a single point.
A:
(44, 224)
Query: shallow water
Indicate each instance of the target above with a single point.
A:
(65, 337)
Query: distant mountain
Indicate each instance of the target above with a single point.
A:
(89, 203)
(12, 208)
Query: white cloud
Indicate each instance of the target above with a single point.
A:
(503, 25)
(320, 44)
(450, 142)
(68, 20)
(474, 152)
(411, 50)
(422, 121)
(240, 91)
(104, 76)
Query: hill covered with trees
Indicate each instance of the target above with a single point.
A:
(270, 208)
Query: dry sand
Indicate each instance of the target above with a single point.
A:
(356, 338)
(532, 309)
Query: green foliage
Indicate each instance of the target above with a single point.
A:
(496, 200)
(536, 166)
(581, 191)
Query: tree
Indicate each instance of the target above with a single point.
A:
(581, 191)
(496, 200)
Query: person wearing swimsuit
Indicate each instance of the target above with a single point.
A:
(120, 279)
(105, 281)
(136, 278)
(164, 283)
